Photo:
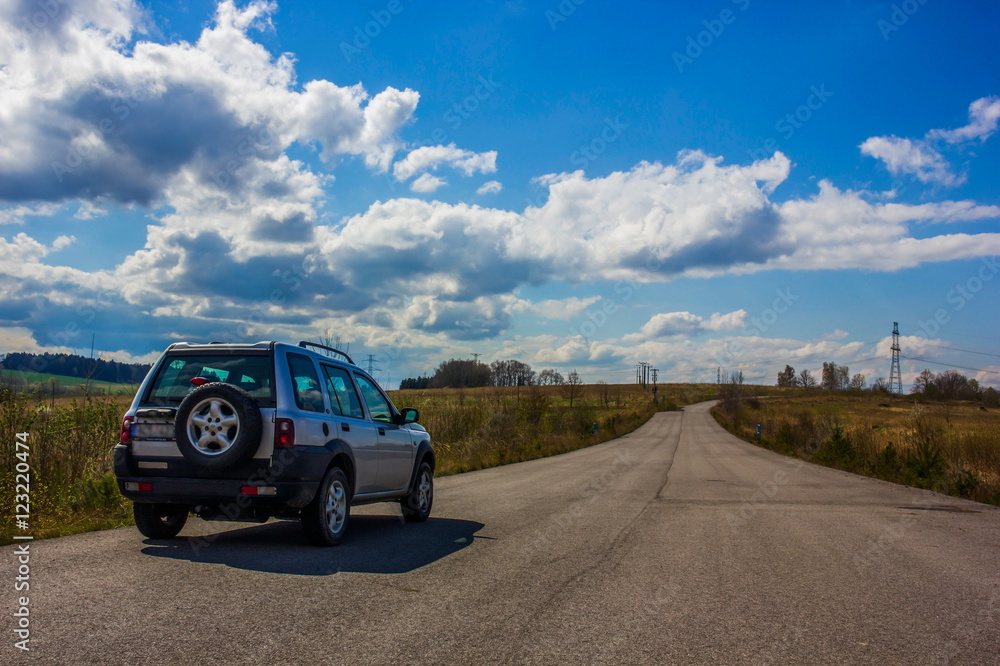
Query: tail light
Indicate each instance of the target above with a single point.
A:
(284, 433)
(126, 436)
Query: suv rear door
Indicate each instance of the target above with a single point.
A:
(395, 445)
(351, 426)
(156, 405)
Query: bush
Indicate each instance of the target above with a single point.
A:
(838, 451)
(888, 465)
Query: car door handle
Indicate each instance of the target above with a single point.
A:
(381, 431)
(346, 427)
(326, 429)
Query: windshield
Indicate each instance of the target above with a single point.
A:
(250, 373)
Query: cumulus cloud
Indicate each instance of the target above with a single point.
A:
(427, 183)
(16, 214)
(686, 324)
(983, 117)
(429, 158)
(88, 108)
(490, 187)
(921, 159)
(471, 320)
(563, 309)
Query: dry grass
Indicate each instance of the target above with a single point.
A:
(73, 488)
(951, 448)
(486, 427)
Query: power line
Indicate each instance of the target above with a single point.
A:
(952, 365)
(966, 351)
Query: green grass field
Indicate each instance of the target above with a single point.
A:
(40, 381)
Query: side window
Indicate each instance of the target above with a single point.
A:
(378, 404)
(305, 383)
(343, 399)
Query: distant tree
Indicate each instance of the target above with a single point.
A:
(786, 377)
(573, 384)
(731, 391)
(605, 393)
(512, 373)
(923, 380)
(461, 373)
(835, 377)
(72, 365)
(549, 377)
(843, 377)
(415, 383)
(806, 379)
(991, 398)
(951, 383)
(858, 382)
(881, 385)
(973, 391)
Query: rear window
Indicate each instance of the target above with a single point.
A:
(251, 373)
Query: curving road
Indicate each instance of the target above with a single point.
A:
(676, 544)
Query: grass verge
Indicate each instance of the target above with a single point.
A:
(953, 449)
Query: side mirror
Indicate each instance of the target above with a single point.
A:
(409, 415)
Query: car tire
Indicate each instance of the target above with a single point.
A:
(325, 519)
(417, 504)
(218, 426)
(159, 521)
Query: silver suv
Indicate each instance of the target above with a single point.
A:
(246, 432)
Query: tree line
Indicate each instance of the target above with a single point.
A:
(945, 385)
(461, 373)
(72, 365)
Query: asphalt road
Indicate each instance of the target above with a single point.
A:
(676, 544)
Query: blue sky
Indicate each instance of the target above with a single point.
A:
(577, 185)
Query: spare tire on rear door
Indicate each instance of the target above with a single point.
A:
(218, 426)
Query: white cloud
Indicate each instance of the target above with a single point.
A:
(655, 221)
(731, 321)
(921, 159)
(903, 156)
(85, 113)
(490, 187)
(88, 210)
(686, 324)
(429, 158)
(984, 114)
(16, 214)
(427, 183)
(563, 309)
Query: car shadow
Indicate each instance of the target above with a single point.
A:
(373, 544)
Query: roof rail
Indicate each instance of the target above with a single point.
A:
(306, 343)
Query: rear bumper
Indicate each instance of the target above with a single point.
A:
(295, 475)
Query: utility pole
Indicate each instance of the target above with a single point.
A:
(371, 363)
(895, 375)
(475, 357)
(642, 373)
